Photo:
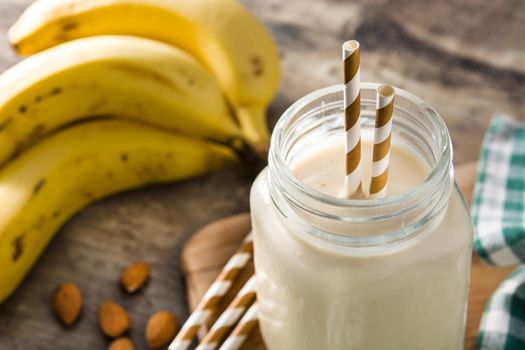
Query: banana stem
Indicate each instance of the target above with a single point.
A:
(252, 120)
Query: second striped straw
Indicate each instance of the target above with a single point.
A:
(382, 137)
(352, 112)
(239, 334)
(229, 317)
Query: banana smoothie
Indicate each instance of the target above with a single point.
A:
(379, 274)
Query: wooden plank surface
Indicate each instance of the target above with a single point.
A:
(466, 58)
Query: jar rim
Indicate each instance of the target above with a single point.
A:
(276, 157)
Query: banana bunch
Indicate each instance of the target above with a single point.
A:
(221, 34)
(118, 94)
(130, 77)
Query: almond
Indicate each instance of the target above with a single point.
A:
(123, 343)
(113, 319)
(161, 329)
(67, 303)
(134, 276)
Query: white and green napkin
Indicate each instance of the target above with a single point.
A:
(498, 213)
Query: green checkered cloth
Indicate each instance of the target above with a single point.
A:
(498, 213)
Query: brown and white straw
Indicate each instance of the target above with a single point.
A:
(229, 317)
(239, 334)
(382, 138)
(352, 112)
(214, 295)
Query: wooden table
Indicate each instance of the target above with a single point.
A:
(466, 58)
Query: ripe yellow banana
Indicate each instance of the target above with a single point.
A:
(133, 77)
(61, 174)
(221, 33)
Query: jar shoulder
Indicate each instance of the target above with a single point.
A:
(259, 192)
(455, 226)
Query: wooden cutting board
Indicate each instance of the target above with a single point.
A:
(208, 250)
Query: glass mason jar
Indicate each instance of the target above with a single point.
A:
(335, 273)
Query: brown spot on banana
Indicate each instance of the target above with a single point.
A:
(39, 186)
(6, 123)
(69, 26)
(18, 247)
(57, 90)
(124, 157)
(257, 66)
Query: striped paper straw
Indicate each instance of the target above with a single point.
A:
(239, 334)
(229, 317)
(214, 295)
(382, 137)
(352, 111)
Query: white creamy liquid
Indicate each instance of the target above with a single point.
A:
(324, 170)
(314, 295)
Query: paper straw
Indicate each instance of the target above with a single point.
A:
(229, 317)
(352, 111)
(382, 137)
(214, 295)
(238, 336)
